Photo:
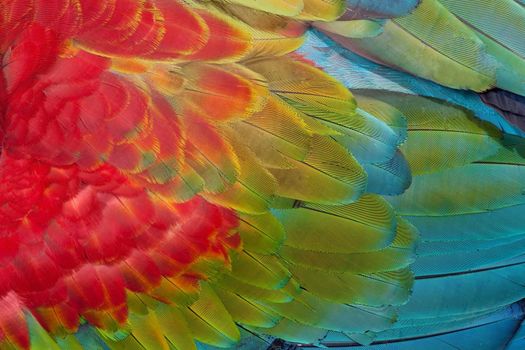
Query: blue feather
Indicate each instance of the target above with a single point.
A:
(488, 332)
(357, 72)
(518, 341)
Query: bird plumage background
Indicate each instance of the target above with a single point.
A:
(262, 174)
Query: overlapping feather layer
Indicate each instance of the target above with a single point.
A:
(465, 199)
(170, 173)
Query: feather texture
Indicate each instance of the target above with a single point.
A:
(156, 194)
(174, 176)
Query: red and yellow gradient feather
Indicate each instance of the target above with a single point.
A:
(144, 143)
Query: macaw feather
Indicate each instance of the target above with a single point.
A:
(468, 58)
(174, 175)
(379, 9)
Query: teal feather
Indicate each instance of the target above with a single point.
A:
(446, 334)
(89, 338)
(500, 223)
(389, 178)
(518, 341)
(465, 293)
(464, 246)
(380, 8)
(450, 262)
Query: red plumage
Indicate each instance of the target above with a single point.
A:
(81, 222)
